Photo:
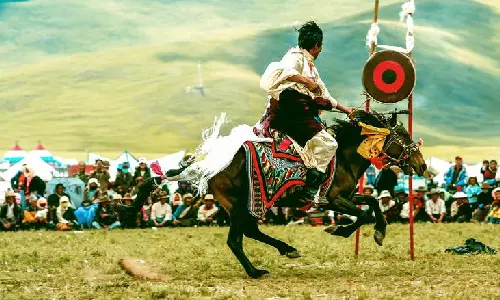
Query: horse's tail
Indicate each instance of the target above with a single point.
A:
(210, 137)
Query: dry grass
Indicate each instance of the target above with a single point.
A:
(56, 265)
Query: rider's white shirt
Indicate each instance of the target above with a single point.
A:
(295, 62)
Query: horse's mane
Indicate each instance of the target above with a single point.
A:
(346, 130)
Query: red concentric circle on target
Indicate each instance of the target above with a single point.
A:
(380, 76)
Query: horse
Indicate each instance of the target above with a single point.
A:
(230, 186)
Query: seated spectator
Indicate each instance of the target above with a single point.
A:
(207, 212)
(184, 187)
(176, 201)
(142, 172)
(129, 213)
(82, 172)
(65, 215)
(420, 201)
(161, 212)
(124, 179)
(117, 199)
(401, 196)
(460, 209)
(186, 214)
(146, 213)
(387, 206)
(484, 200)
(29, 216)
(105, 216)
(456, 176)
(405, 211)
(32, 184)
(472, 190)
(53, 201)
(85, 214)
(489, 171)
(42, 214)
(494, 214)
(435, 207)
(101, 174)
(10, 213)
(92, 191)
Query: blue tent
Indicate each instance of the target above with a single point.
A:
(74, 187)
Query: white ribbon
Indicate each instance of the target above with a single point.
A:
(371, 36)
(407, 10)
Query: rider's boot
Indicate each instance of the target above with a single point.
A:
(314, 178)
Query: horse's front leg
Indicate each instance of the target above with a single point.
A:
(381, 223)
(347, 207)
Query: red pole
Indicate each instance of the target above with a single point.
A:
(410, 182)
(367, 108)
(360, 191)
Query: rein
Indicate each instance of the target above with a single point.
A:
(408, 149)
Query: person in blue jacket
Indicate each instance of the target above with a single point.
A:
(456, 176)
(472, 190)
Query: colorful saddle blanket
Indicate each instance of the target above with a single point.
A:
(275, 171)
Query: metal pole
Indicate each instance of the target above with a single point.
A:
(410, 182)
(367, 108)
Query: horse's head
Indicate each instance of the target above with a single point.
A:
(401, 150)
(398, 150)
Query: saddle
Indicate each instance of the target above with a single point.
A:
(276, 172)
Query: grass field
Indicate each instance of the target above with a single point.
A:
(198, 265)
(107, 76)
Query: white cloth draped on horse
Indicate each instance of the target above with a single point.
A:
(217, 152)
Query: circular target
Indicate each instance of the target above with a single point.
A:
(389, 76)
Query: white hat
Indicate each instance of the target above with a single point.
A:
(93, 180)
(142, 160)
(459, 195)
(209, 197)
(494, 191)
(63, 199)
(384, 194)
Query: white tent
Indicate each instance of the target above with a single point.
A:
(15, 154)
(124, 157)
(41, 168)
(93, 157)
(170, 161)
(66, 161)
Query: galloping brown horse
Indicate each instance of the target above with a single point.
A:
(230, 186)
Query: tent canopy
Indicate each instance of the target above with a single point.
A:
(41, 168)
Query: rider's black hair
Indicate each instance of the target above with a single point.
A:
(309, 35)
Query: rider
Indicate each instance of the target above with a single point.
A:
(296, 97)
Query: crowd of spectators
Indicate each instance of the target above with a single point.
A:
(107, 204)
(112, 204)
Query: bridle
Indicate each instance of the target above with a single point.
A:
(408, 149)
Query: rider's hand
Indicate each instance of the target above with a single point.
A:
(350, 112)
(312, 86)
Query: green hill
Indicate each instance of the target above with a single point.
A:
(111, 75)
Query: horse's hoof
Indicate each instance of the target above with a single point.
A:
(293, 254)
(378, 237)
(258, 273)
(331, 229)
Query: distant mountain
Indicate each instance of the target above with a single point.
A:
(111, 75)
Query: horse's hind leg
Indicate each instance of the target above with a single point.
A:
(252, 231)
(381, 223)
(235, 243)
